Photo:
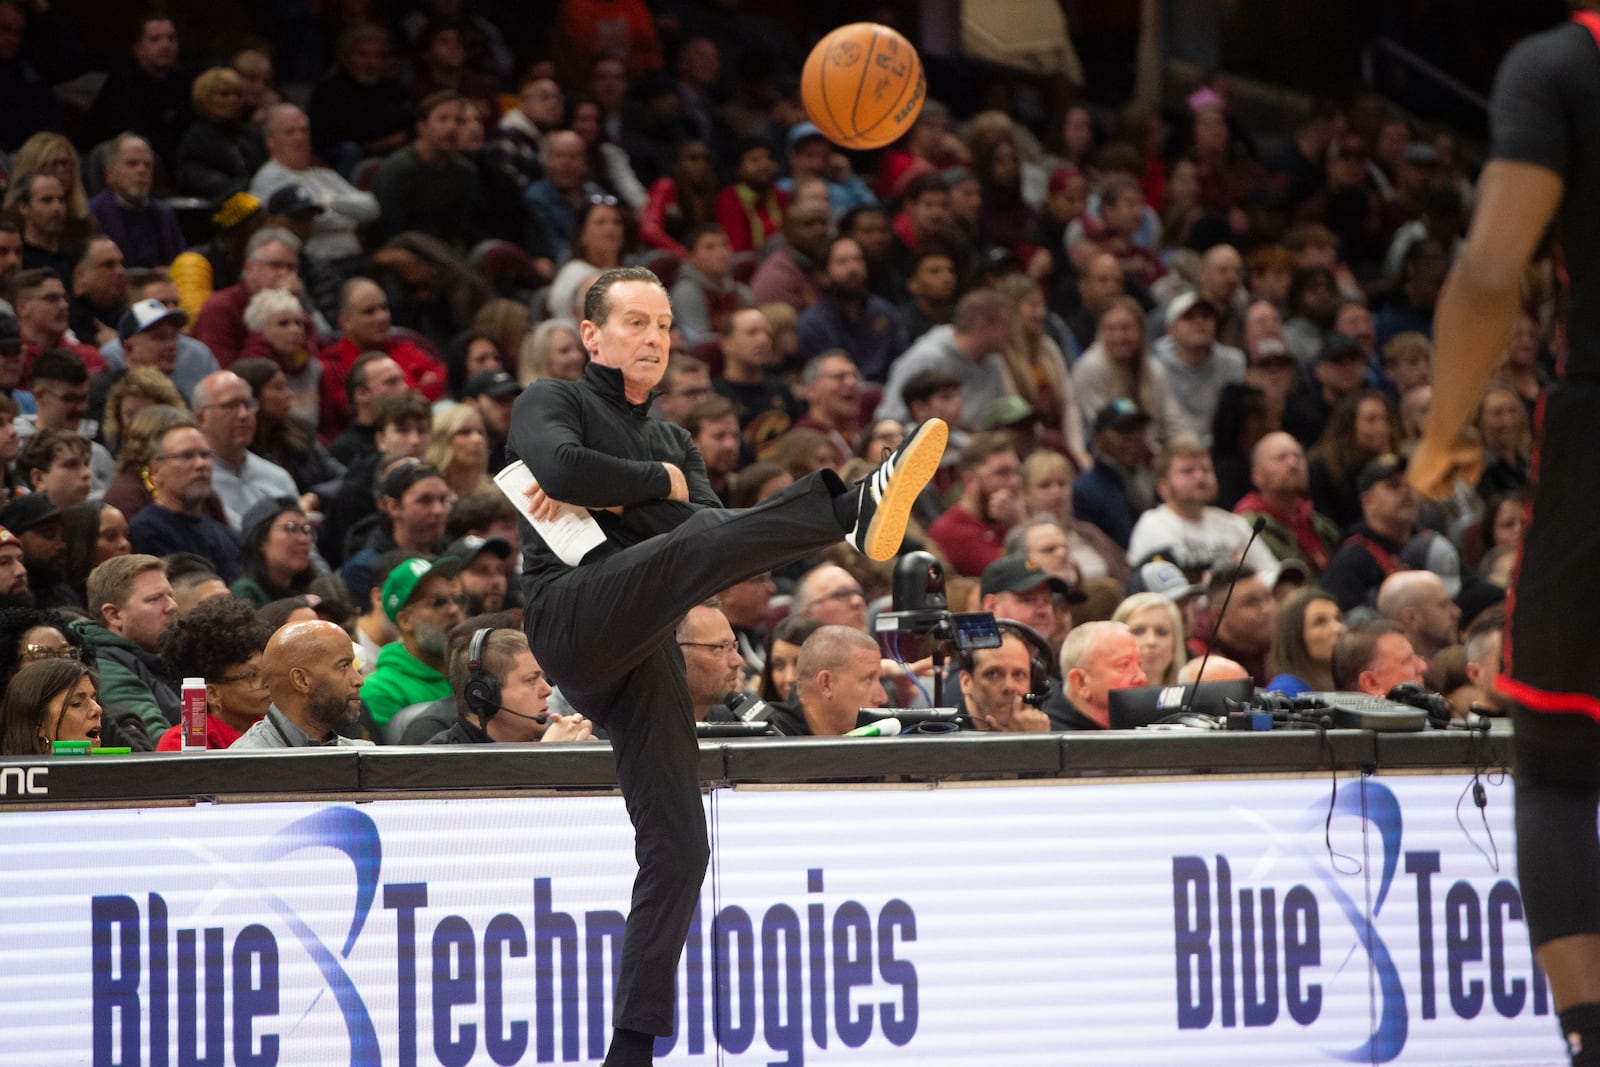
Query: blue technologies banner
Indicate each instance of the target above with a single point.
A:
(1126, 923)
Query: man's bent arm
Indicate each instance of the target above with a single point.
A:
(546, 435)
(1478, 306)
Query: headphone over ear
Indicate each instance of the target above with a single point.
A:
(1042, 664)
(482, 691)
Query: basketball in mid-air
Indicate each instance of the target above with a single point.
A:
(863, 85)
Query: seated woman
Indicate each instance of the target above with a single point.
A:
(599, 240)
(1039, 371)
(221, 150)
(94, 531)
(48, 701)
(276, 558)
(281, 436)
(1309, 623)
(499, 329)
(460, 449)
(277, 326)
(1502, 424)
(1157, 626)
(553, 350)
(681, 200)
(783, 656)
(138, 388)
(221, 642)
(1118, 365)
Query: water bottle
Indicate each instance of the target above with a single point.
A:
(192, 725)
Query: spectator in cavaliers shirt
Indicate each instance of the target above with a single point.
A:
(365, 321)
(40, 299)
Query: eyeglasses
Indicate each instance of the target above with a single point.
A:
(291, 527)
(253, 679)
(721, 648)
(246, 405)
(440, 602)
(604, 199)
(845, 594)
(188, 455)
(32, 653)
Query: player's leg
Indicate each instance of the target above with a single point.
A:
(1557, 765)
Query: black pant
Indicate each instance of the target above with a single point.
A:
(1557, 764)
(1550, 666)
(603, 632)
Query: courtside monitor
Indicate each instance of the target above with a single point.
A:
(1133, 708)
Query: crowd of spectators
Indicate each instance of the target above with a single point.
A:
(259, 345)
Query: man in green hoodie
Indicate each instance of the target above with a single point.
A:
(132, 605)
(423, 599)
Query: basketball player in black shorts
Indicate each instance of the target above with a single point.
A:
(1544, 167)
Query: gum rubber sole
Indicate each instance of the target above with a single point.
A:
(918, 463)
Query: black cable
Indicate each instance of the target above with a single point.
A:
(1334, 856)
(1477, 755)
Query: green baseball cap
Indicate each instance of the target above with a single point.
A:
(404, 579)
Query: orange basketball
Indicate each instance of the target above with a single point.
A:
(863, 85)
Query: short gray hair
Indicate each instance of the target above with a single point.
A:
(283, 107)
(267, 304)
(270, 235)
(813, 367)
(1016, 543)
(1080, 643)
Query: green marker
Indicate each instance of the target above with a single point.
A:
(70, 748)
(114, 750)
(881, 728)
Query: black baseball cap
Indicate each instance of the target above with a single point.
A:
(494, 383)
(1341, 349)
(26, 512)
(292, 199)
(1381, 469)
(467, 548)
(1017, 573)
(1121, 414)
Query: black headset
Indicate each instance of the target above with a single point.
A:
(482, 691)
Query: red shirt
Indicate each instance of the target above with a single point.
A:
(218, 735)
(423, 374)
(748, 217)
(90, 355)
(969, 543)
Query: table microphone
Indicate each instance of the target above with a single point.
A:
(1216, 624)
(747, 707)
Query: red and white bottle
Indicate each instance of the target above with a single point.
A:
(192, 724)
